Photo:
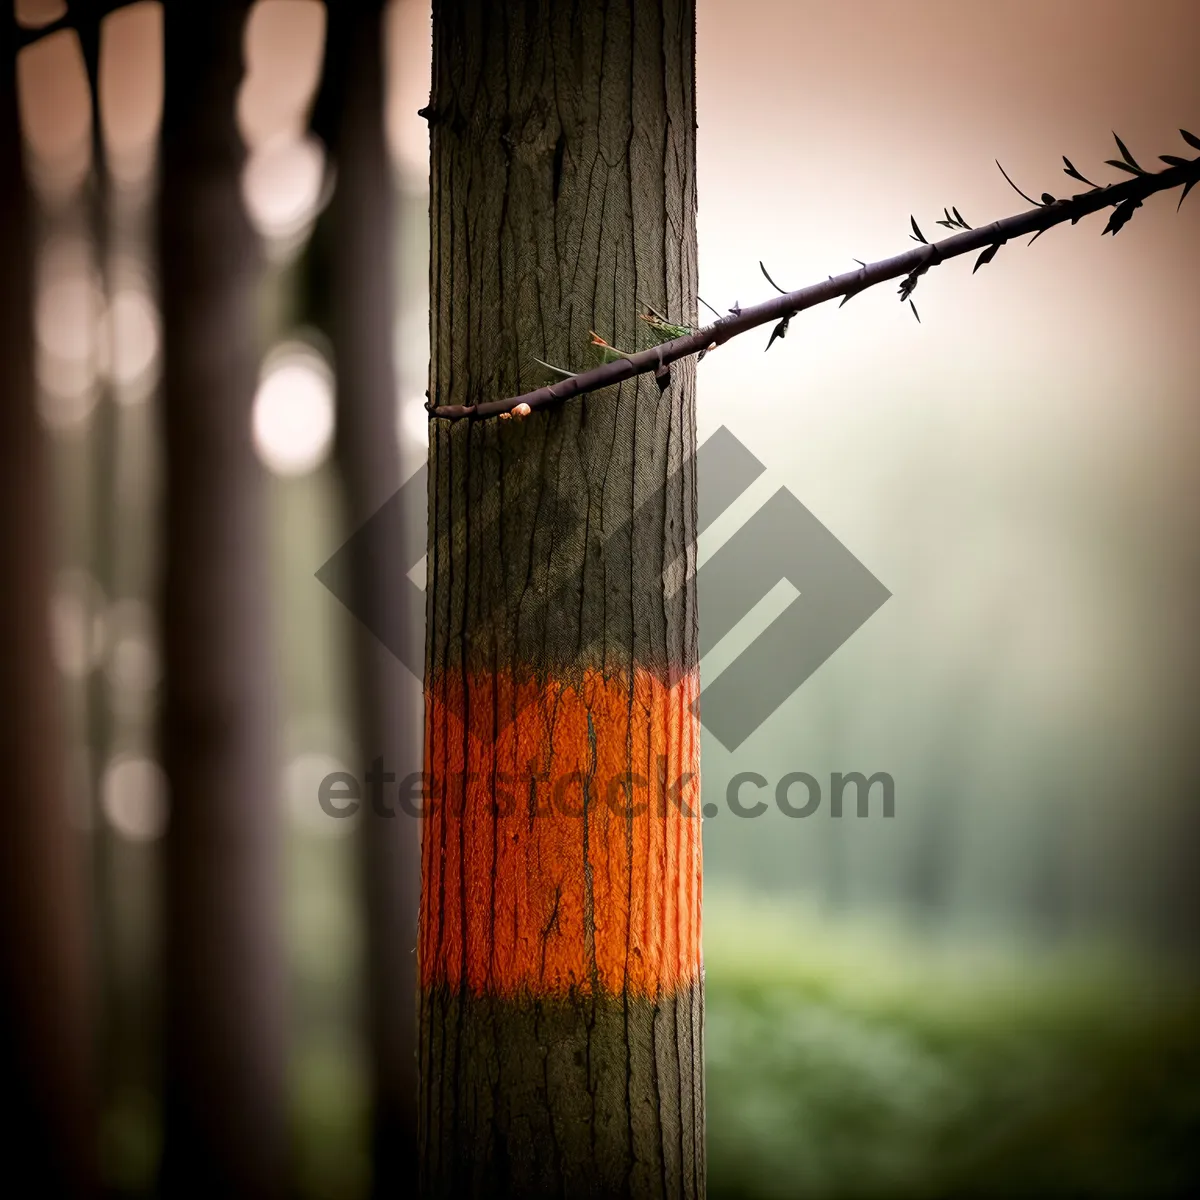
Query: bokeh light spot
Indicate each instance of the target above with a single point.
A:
(302, 784)
(56, 113)
(281, 186)
(131, 89)
(76, 622)
(293, 419)
(133, 795)
(132, 334)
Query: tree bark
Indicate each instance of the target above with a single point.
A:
(353, 265)
(559, 945)
(224, 1054)
(44, 1036)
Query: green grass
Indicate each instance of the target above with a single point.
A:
(850, 1060)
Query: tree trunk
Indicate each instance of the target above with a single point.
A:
(224, 1057)
(559, 947)
(44, 1039)
(354, 272)
(114, 1041)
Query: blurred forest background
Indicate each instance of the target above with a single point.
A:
(992, 992)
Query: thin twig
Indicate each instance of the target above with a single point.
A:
(69, 20)
(1130, 193)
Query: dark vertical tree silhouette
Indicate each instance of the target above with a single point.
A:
(44, 1035)
(561, 1001)
(224, 1053)
(103, 440)
(351, 282)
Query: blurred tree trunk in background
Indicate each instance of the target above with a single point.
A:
(114, 1041)
(562, 994)
(44, 1037)
(224, 1116)
(352, 296)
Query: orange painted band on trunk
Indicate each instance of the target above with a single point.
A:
(561, 847)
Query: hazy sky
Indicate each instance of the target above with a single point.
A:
(1020, 469)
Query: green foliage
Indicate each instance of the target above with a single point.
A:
(850, 1061)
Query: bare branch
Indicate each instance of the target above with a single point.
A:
(69, 20)
(1124, 197)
